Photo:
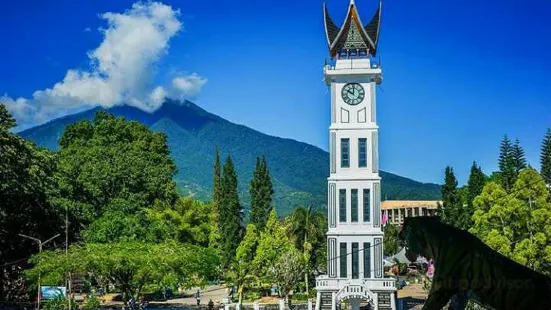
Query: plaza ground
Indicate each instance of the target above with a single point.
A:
(217, 293)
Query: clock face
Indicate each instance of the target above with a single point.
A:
(353, 93)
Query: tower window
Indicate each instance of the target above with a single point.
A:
(362, 152)
(367, 260)
(345, 153)
(354, 205)
(342, 205)
(343, 255)
(355, 261)
(367, 205)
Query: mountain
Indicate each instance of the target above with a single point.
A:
(299, 170)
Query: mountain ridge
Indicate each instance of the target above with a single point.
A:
(299, 170)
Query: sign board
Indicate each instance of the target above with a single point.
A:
(383, 301)
(52, 292)
(409, 303)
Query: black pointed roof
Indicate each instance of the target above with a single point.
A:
(352, 35)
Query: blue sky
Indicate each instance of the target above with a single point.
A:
(458, 75)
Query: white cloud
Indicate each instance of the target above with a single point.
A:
(188, 86)
(87, 29)
(122, 69)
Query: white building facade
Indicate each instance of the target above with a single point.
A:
(355, 239)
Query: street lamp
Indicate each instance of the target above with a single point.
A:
(40, 244)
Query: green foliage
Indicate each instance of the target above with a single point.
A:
(188, 221)
(261, 191)
(507, 167)
(26, 185)
(241, 272)
(298, 170)
(215, 234)
(231, 215)
(390, 239)
(130, 265)
(545, 157)
(273, 242)
(307, 228)
(287, 270)
(517, 154)
(92, 303)
(476, 182)
(57, 303)
(452, 211)
(110, 164)
(517, 224)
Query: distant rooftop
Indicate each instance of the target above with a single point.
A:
(397, 204)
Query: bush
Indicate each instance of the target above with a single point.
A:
(57, 303)
(92, 303)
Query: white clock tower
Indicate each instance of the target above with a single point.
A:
(355, 238)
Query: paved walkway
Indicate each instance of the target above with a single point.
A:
(215, 292)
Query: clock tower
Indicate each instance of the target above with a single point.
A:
(354, 239)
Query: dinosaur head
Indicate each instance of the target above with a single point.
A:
(415, 237)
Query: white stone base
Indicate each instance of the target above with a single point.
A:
(357, 291)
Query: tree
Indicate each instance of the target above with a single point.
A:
(545, 157)
(307, 228)
(517, 154)
(261, 191)
(390, 239)
(214, 238)
(475, 185)
(241, 272)
(110, 164)
(273, 242)
(26, 185)
(189, 221)
(231, 215)
(507, 164)
(130, 266)
(516, 224)
(286, 271)
(452, 211)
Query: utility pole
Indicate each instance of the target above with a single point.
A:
(68, 282)
(40, 244)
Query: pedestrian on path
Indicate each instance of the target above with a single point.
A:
(198, 297)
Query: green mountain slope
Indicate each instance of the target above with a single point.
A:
(299, 170)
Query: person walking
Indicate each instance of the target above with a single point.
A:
(211, 305)
(198, 297)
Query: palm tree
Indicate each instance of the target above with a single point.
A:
(306, 227)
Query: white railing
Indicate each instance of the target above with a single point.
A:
(326, 283)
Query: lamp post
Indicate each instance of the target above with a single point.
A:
(40, 244)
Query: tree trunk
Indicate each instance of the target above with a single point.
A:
(240, 292)
(306, 281)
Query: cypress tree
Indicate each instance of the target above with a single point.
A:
(451, 201)
(230, 213)
(256, 215)
(545, 157)
(214, 238)
(261, 191)
(216, 186)
(517, 154)
(476, 182)
(267, 189)
(506, 164)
